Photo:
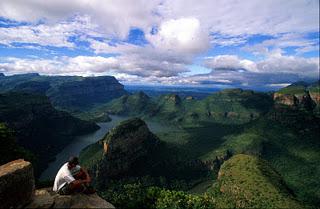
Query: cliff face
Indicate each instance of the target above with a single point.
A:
(67, 92)
(299, 95)
(126, 151)
(127, 145)
(17, 190)
(86, 92)
(296, 100)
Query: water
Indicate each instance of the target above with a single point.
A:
(75, 147)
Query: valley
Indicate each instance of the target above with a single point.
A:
(162, 148)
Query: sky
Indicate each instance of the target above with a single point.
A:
(212, 43)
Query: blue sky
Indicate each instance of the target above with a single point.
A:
(251, 44)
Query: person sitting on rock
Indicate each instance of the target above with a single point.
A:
(71, 178)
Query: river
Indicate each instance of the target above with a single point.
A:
(80, 142)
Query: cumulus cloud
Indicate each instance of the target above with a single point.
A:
(115, 17)
(182, 35)
(233, 17)
(176, 33)
(229, 62)
(93, 65)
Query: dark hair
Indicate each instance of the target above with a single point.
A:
(73, 160)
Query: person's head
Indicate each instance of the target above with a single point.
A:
(73, 162)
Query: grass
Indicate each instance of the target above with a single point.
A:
(197, 142)
(251, 182)
(300, 89)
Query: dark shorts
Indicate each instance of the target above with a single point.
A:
(65, 190)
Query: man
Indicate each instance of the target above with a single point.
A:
(72, 178)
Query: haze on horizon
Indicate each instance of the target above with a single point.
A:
(216, 43)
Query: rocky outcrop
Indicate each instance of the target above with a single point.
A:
(285, 99)
(45, 198)
(295, 100)
(299, 95)
(173, 98)
(16, 184)
(189, 98)
(315, 96)
(126, 145)
(127, 150)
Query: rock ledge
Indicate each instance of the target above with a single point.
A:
(46, 198)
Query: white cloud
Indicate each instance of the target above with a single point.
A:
(182, 35)
(80, 65)
(305, 67)
(281, 41)
(229, 62)
(115, 18)
(274, 63)
(184, 30)
(57, 34)
(92, 65)
(233, 17)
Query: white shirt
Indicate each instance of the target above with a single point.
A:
(63, 176)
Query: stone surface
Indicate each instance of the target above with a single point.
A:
(46, 198)
(16, 184)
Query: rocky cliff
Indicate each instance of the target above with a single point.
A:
(299, 95)
(126, 145)
(124, 151)
(17, 190)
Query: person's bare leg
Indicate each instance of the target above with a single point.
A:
(76, 187)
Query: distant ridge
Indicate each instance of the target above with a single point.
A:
(66, 92)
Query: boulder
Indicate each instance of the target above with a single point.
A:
(16, 184)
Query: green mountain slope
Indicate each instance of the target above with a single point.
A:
(228, 106)
(38, 126)
(10, 149)
(249, 182)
